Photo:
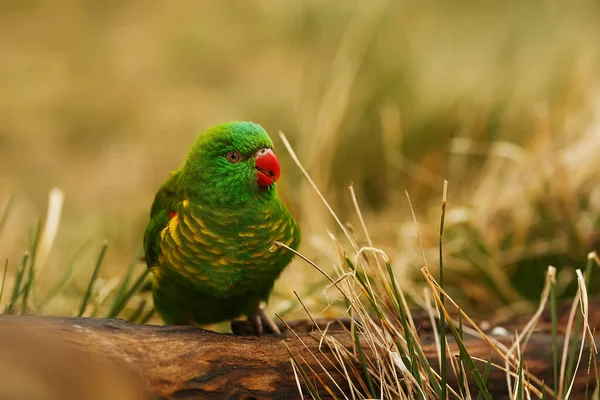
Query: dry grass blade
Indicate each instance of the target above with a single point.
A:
(567, 339)
(316, 189)
(323, 368)
(523, 337)
(582, 295)
(297, 378)
(56, 200)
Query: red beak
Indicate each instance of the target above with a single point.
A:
(267, 167)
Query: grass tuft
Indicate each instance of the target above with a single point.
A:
(382, 321)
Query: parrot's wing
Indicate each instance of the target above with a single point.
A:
(164, 202)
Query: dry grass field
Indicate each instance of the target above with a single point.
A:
(103, 99)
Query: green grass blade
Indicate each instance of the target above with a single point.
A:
(3, 280)
(461, 377)
(401, 313)
(123, 300)
(554, 317)
(60, 283)
(433, 380)
(411, 361)
(90, 288)
(544, 391)
(6, 212)
(137, 312)
(363, 363)
(587, 378)
(16, 291)
(520, 380)
(443, 371)
(466, 358)
(122, 289)
(486, 373)
(147, 316)
(426, 366)
(29, 284)
(380, 314)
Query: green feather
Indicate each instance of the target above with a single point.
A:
(212, 261)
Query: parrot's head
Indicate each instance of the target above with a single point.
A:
(232, 163)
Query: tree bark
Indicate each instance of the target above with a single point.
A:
(180, 362)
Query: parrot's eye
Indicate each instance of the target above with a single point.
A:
(233, 157)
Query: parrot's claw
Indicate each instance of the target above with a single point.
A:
(267, 322)
(260, 323)
(257, 323)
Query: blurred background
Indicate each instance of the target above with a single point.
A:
(103, 99)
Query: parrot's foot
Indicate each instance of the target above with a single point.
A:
(260, 323)
(263, 323)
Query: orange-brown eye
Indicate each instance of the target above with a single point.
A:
(233, 157)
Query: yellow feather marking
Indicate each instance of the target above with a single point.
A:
(156, 273)
(221, 213)
(260, 253)
(210, 233)
(201, 278)
(193, 246)
(224, 260)
(193, 272)
(200, 222)
(178, 261)
(212, 250)
(173, 222)
(172, 260)
(186, 203)
(187, 234)
(185, 251)
(163, 232)
(176, 236)
(275, 226)
(179, 257)
(246, 234)
(198, 237)
(191, 223)
(291, 229)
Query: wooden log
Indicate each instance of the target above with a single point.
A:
(180, 362)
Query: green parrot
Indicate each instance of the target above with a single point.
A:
(208, 243)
